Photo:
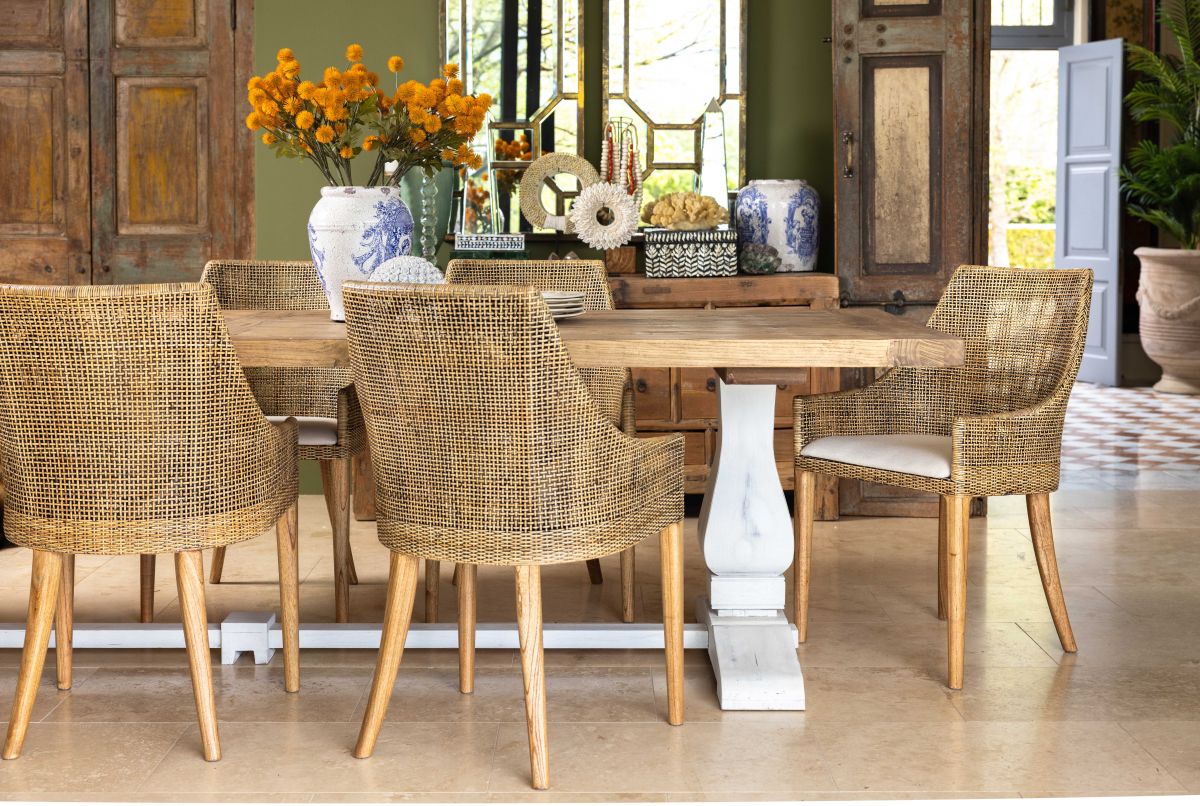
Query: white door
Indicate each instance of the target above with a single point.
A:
(1089, 203)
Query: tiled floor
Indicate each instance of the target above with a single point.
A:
(1122, 716)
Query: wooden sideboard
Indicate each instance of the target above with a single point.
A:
(685, 400)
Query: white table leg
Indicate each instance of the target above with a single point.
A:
(746, 534)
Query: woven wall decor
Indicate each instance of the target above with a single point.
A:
(604, 215)
(546, 167)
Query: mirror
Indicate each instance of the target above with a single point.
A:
(677, 71)
(527, 54)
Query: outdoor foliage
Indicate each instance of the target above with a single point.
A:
(1162, 183)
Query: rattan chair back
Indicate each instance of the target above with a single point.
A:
(126, 425)
(487, 447)
(586, 276)
(266, 285)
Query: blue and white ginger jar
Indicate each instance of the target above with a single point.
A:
(784, 214)
(351, 232)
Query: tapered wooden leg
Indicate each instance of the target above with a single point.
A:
(433, 587)
(942, 564)
(351, 570)
(218, 565)
(957, 520)
(806, 492)
(467, 576)
(1043, 549)
(335, 479)
(64, 623)
(397, 615)
(287, 549)
(147, 602)
(43, 594)
(533, 669)
(595, 574)
(454, 576)
(628, 580)
(671, 549)
(189, 576)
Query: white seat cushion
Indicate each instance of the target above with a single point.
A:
(917, 454)
(314, 430)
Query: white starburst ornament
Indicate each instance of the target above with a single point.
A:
(604, 215)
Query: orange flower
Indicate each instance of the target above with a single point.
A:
(372, 77)
(290, 69)
(269, 108)
(254, 83)
(433, 124)
(416, 135)
(454, 86)
(354, 53)
(253, 121)
(305, 120)
(450, 70)
(306, 89)
(346, 153)
(395, 64)
(332, 76)
(256, 96)
(370, 143)
(293, 105)
(325, 134)
(336, 113)
(284, 55)
(268, 138)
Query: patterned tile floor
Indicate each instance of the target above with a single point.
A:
(1130, 438)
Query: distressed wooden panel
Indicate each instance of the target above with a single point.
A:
(905, 8)
(31, 140)
(162, 160)
(31, 24)
(901, 146)
(161, 23)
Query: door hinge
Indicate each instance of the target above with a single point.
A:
(897, 304)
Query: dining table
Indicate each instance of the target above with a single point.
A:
(744, 528)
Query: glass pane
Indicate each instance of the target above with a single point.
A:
(1023, 12)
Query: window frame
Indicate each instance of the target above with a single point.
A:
(1059, 34)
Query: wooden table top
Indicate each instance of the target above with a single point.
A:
(722, 337)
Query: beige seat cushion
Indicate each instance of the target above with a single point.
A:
(918, 454)
(314, 430)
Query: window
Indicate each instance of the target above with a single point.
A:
(1032, 24)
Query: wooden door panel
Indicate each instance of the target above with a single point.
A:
(44, 207)
(172, 168)
(910, 193)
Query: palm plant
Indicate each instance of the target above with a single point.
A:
(1162, 182)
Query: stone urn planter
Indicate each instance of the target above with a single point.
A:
(1169, 298)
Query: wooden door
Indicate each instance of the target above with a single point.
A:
(911, 100)
(172, 166)
(911, 114)
(44, 180)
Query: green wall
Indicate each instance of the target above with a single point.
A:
(789, 114)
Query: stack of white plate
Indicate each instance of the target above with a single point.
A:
(564, 304)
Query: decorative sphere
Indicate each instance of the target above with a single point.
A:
(407, 269)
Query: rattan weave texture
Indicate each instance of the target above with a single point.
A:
(612, 389)
(291, 392)
(126, 424)
(487, 447)
(1024, 331)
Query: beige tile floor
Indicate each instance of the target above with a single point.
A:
(1122, 716)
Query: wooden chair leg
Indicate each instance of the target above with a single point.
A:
(454, 576)
(533, 669)
(397, 615)
(335, 479)
(288, 552)
(671, 549)
(189, 576)
(218, 565)
(433, 586)
(1043, 549)
(147, 601)
(467, 605)
(595, 574)
(942, 546)
(64, 623)
(805, 495)
(43, 593)
(628, 582)
(958, 508)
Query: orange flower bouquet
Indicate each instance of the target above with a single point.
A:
(347, 112)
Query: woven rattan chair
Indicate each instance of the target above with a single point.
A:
(321, 399)
(126, 427)
(487, 449)
(611, 389)
(992, 427)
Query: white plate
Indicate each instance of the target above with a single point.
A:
(557, 316)
(562, 296)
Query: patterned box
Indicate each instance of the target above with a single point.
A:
(691, 253)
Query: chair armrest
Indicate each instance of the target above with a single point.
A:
(351, 426)
(1028, 436)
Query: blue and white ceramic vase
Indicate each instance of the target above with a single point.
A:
(784, 214)
(351, 231)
